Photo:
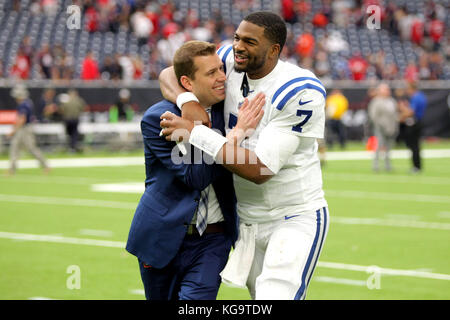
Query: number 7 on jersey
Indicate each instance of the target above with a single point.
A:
(307, 114)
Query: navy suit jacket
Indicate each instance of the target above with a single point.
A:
(172, 191)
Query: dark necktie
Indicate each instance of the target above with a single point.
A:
(245, 88)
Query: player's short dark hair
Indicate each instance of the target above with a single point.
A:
(183, 60)
(274, 26)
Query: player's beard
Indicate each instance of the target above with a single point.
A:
(253, 65)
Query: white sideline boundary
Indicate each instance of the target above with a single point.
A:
(322, 264)
(136, 161)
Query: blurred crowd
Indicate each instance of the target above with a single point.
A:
(163, 27)
(392, 117)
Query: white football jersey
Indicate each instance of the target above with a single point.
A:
(285, 140)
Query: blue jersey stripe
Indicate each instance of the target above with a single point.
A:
(308, 262)
(287, 84)
(294, 91)
(224, 58)
(221, 49)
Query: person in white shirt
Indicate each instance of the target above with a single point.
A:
(278, 181)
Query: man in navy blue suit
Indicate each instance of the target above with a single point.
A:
(186, 222)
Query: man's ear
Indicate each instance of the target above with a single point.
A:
(186, 82)
(275, 50)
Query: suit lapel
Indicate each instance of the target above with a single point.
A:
(217, 119)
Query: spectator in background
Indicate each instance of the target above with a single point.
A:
(321, 65)
(49, 7)
(127, 67)
(22, 133)
(320, 20)
(45, 59)
(138, 67)
(142, 26)
(436, 65)
(435, 29)
(288, 12)
(424, 68)
(411, 114)
(302, 9)
(89, 69)
(383, 114)
(171, 41)
(27, 49)
(417, 30)
(336, 106)
(305, 44)
(46, 105)
(71, 105)
(111, 69)
(122, 109)
(156, 64)
(92, 18)
(411, 72)
(21, 68)
(358, 67)
(62, 68)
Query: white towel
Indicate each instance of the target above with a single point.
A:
(238, 267)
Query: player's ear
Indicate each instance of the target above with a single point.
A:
(275, 50)
(186, 82)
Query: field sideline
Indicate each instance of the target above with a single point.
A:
(388, 237)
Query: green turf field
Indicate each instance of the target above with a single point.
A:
(397, 222)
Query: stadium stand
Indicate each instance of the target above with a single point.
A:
(413, 41)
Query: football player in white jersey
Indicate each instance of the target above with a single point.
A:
(283, 213)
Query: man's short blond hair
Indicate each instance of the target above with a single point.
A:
(183, 60)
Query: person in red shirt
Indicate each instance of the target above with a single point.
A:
(89, 69)
(417, 30)
(435, 29)
(21, 67)
(320, 20)
(411, 72)
(358, 67)
(287, 10)
(305, 45)
(92, 19)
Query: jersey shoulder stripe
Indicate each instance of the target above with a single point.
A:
(290, 82)
(223, 53)
(294, 91)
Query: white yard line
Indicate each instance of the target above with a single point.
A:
(395, 154)
(60, 239)
(385, 178)
(322, 264)
(351, 282)
(68, 201)
(384, 271)
(135, 161)
(96, 233)
(382, 196)
(78, 162)
(390, 223)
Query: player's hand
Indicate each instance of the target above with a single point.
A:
(250, 113)
(175, 128)
(193, 111)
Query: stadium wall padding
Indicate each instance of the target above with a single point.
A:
(436, 122)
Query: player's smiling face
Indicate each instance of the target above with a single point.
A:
(251, 49)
